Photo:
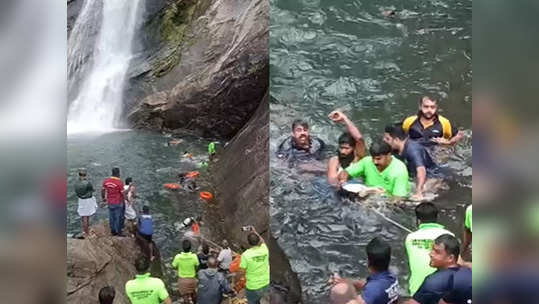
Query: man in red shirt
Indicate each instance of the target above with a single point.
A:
(113, 192)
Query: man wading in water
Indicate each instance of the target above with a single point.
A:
(301, 146)
(430, 128)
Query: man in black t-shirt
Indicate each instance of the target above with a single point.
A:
(451, 283)
(301, 146)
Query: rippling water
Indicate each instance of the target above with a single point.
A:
(151, 162)
(346, 54)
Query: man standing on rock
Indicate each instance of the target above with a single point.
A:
(87, 204)
(145, 289)
(187, 263)
(255, 261)
(212, 284)
(112, 191)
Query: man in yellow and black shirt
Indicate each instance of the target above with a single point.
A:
(430, 128)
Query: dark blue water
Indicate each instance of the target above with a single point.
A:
(346, 54)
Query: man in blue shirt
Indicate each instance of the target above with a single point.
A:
(451, 283)
(417, 158)
(381, 287)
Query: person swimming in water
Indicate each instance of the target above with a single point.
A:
(351, 147)
(301, 146)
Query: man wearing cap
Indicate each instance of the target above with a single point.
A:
(87, 203)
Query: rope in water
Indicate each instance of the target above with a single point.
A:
(391, 221)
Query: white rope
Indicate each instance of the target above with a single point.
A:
(391, 221)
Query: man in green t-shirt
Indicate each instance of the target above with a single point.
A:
(187, 263)
(419, 244)
(145, 289)
(380, 170)
(255, 262)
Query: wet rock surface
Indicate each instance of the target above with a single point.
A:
(207, 60)
(241, 186)
(99, 261)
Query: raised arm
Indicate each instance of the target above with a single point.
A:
(338, 116)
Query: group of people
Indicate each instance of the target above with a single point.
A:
(120, 201)
(402, 152)
(202, 278)
(438, 273)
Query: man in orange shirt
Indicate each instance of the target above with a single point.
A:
(113, 193)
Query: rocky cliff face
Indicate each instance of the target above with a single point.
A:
(241, 181)
(104, 260)
(199, 65)
(210, 71)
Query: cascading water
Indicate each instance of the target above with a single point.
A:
(99, 101)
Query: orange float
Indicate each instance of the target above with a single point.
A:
(207, 196)
(172, 186)
(192, 174)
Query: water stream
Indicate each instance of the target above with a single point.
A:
(98, 103)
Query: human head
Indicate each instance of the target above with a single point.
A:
(116, 172)
(398, 136)
(146, 209)
(381, 154)
(347, 146)
(428, 107)
(426, 213)
(212, 262)
(253, 239)
(106, 295)
(142, 264)
(378, 255)
(445, 252)
(225, 244)
(300, 132)
(342, 293)
(82, 173)
(205, 249)
(387, 133)
(186, 245)
(128, 180)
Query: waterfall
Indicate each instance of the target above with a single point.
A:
(98, 104)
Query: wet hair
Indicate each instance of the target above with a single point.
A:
(379, 147)
(106, 295)
(142, 264)
(389, 128)
(253, 239)
(146, 209)
(116, 172)
(429, 98)
(300, 122)
(451, 244)
(205, 249)
(128, 180)
(426, 212)
(186, 245)
(378, 254)
(398, 132)
(346, 138)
